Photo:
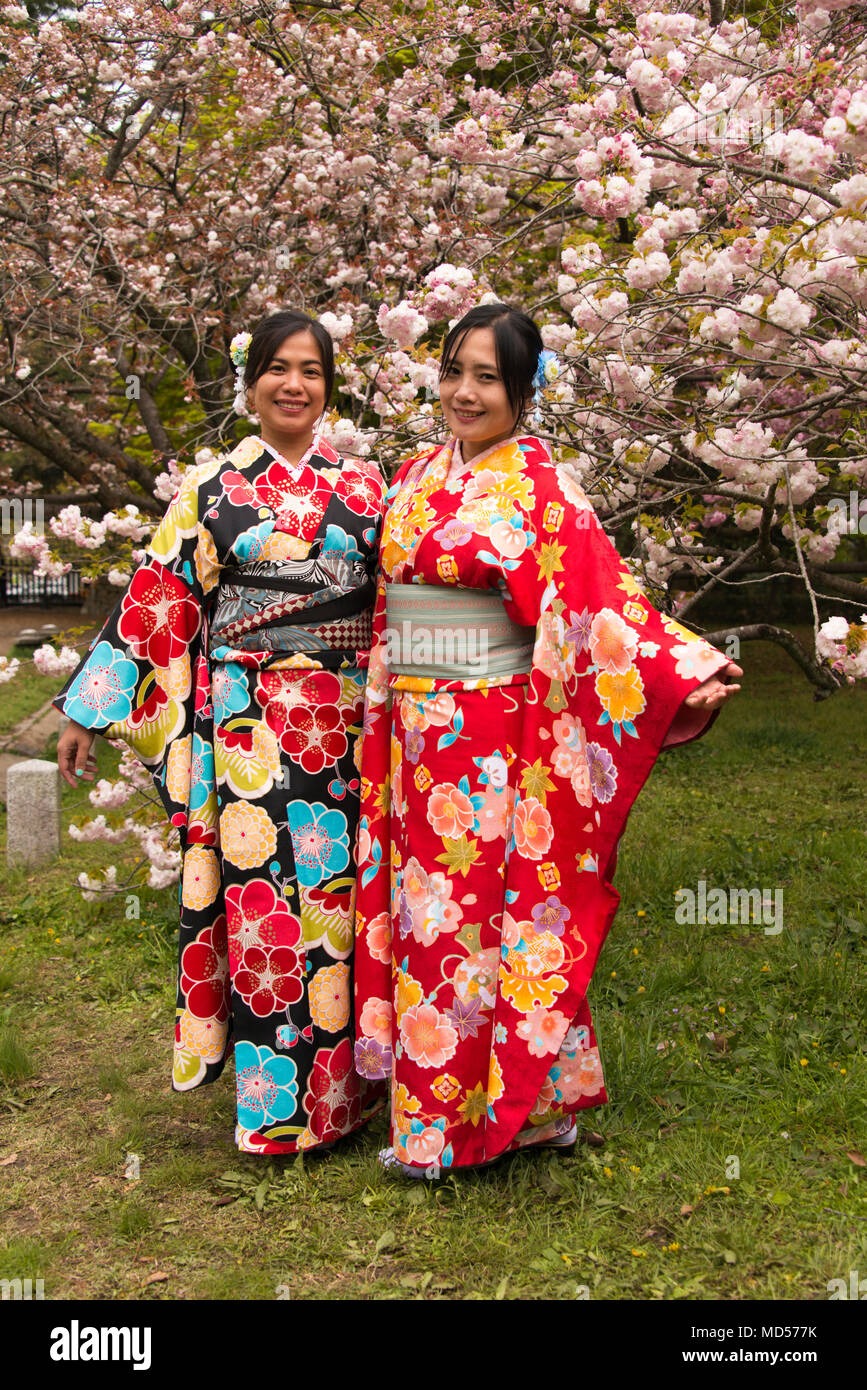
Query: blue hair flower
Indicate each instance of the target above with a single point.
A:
(547, 372)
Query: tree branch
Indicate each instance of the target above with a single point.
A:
(823, 678)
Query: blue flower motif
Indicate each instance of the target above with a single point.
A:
(320, 841)
(201, 772)
(267, 1086)
(338, 542)
(104, 688)
(250, 543)
(230, 691)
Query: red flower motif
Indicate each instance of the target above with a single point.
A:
(238, 490)
(269, 978)
(258, 917)
(281, 695)
(292, 687)
(205, 973)
(299, 500)
(333, 1099)
(325, 451)
(159, 616)
(314, 736)
(359, 492)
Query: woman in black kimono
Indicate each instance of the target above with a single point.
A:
(234, 666)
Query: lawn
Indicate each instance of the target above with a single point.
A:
(729, 1163)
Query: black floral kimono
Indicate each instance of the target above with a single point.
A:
(234, 665)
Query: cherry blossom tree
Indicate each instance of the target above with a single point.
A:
(676, 191)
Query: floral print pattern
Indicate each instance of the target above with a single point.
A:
(492, 808)
(253, 753)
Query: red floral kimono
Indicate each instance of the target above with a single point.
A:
(492, 808)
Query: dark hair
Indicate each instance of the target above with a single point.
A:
(270, 333)
(518, 343)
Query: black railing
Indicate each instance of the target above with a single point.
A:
(20, 588)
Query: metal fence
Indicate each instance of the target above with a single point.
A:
(20, 588)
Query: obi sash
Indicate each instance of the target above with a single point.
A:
(442, 632)
(321, 608)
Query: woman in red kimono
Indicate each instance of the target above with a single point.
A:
(520, 689)
(234, 667)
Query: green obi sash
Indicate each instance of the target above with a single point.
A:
(440, 632)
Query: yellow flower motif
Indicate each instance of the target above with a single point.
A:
(201, 882)
(247, 451)
(178, 770)
(528, 992)
(175, 678)
(622, 697)
(203, 1037)
(280, 546)
(247, 834)
(496, 1085)
(207, 563)
(329, 997)
(407, 993)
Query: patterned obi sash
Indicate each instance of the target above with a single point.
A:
(441, 632)
(320, 607)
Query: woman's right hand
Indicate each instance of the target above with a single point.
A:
(74, 758)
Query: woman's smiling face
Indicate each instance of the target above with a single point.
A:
(473, 398)
(289, 396)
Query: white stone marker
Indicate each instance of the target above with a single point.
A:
(32, 812)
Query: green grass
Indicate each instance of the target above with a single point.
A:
(728, 1163)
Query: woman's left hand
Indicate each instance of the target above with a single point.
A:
(715, 691)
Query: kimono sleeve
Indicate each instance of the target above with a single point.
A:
(607, 685)
(600, 645)
(145, 680)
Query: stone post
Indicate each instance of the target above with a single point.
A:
(32, 812)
